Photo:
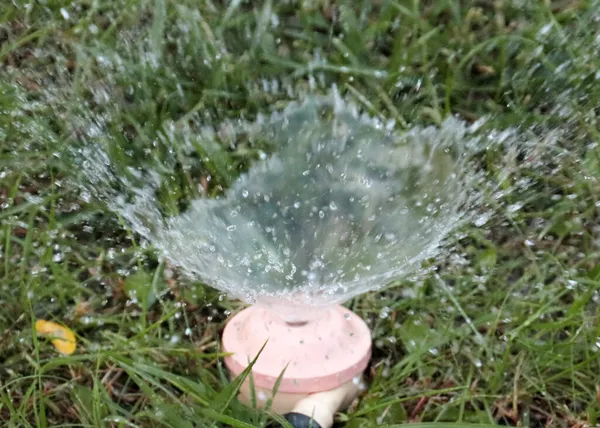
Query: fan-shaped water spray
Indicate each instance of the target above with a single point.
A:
(342, 206)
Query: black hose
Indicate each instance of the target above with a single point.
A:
(298, 420)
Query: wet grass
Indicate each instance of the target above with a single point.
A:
(504, 332)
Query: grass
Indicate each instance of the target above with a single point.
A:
(504, 332)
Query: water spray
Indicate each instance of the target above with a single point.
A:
(343, 204)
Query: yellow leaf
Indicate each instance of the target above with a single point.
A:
(62, 337)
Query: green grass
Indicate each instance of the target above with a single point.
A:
(505, 332)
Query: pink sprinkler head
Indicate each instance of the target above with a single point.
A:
(308, 358)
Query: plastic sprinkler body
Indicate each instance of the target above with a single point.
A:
(317, 365)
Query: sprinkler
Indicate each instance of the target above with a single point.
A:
(317, 364)
(336, 205)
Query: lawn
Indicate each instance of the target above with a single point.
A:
(504, 330)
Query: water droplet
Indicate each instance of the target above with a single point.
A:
(545, 30)
(482, 220)
(231, 228)
(384, 312)
(514, 207)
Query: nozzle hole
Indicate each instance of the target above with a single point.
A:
(296, 323)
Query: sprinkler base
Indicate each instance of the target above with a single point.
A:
(321, 360)
(285, 402)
